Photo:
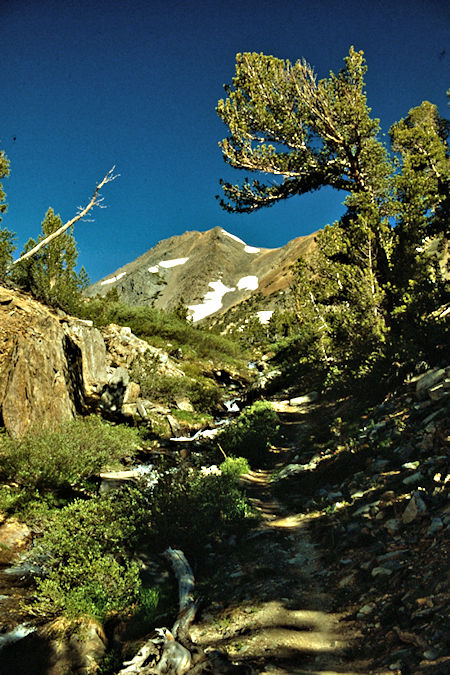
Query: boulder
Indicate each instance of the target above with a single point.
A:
(92, 350)
(114, 391)
(14, 538)
(122, 349)
(54, 366)
(37, 386)
(183, 403)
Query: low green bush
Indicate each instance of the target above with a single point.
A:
(203, 392)
(155, 324)
(86, 557)
(251, 435)
(234, 466)
(66, 454)
(190, 508)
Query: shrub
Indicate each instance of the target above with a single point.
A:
(151, 323)
(85, 557)
(234, 466)
(65, 454)
(250, 436)
(202, 391)
(190, 508)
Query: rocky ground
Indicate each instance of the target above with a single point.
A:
(346, 572)
(376, 503)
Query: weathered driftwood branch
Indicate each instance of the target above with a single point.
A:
(186, 585)
(175, 658)
(82, 211)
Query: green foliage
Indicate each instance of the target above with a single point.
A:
(4, 172)
(421, 191)
(87, 557)
(160, 327)
(283, 121)
(7, 248)
(234, 466)
(201, 391)
(94, 587)
(149, 600)
(250, 436)
(66, 454)
(191, 508)
(50, 273)
(378, 271)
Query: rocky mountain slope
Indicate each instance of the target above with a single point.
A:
(209, 272)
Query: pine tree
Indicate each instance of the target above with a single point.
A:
(314, 133)
(51, 273)
(421, 186)
(4, 172)
(7, 237)
(7, 248)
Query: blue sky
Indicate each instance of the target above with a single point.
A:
(87, 84)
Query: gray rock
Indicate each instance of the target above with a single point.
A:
(184, 404)
(436, 526)
(113, 480)
(381, 572)
(392, 525)
(366, 609)
(429, 379)
(413, 479)
(40, 366)
(438, 392)
(431, 654)
(290, 470)
(92, 348)
(416, 507)
(114, 392)
(131, 393)
(119, 378)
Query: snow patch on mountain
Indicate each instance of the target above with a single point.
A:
(212, 301)
(167, 264)
(247, 248)
(249, 283)
(173, 263)
(113, 279)
(233, 236)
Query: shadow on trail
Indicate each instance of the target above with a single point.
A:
(267, 608)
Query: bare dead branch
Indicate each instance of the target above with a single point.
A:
(82, 211)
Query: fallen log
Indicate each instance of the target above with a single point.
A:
(177, 652)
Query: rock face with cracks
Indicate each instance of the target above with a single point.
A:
(54, 366)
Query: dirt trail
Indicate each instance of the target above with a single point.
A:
(270, 611)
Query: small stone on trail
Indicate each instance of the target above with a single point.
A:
(431, 654)
(306, 398)
(381, 572)
(436, 525)
(416, 506)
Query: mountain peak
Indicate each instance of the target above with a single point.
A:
(210, 272)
